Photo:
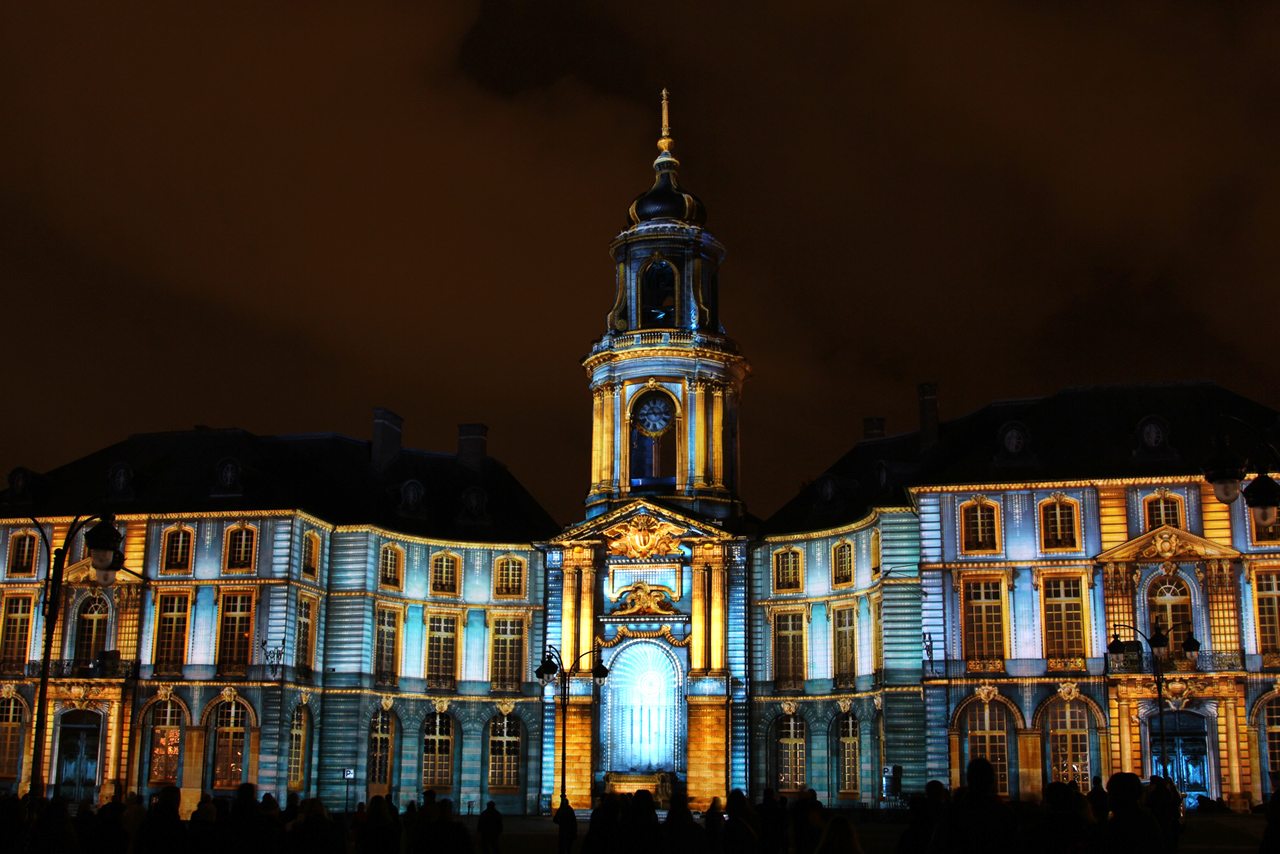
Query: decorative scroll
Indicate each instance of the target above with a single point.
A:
(1069, 691)
(506, 706)
(986, 692)
(388, 700)
(640, 598)
(228, 694)
(845, 704)
(625, 632)
(441, 705)
(789, 707)
(643, 536)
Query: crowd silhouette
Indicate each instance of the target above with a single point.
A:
(1124, 816)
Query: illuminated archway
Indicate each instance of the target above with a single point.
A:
(643, 720)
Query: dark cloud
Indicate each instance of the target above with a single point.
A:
(284, 216)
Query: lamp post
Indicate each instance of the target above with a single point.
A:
(102, 542)
(1225, 469)
(553, 668)
(1158, 643)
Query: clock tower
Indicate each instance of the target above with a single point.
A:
(665, 379)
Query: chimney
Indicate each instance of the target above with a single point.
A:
(873, 428)
(387, 427)
(928, 415)
(473, 444)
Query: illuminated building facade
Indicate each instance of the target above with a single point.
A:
(347, 618)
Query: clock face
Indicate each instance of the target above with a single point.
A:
(654, 413)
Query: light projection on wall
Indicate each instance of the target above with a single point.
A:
(644, 710)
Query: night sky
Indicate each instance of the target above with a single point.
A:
(278, 216)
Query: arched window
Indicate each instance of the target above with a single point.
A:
(658, 296)
(849, 767)
(240, 543)
(22, 554)
(988, 734)
(166, 743)
(382, 734)
(791, 769)
(1163, 509)
(508, 577)
(389, 565)
(10, 739)
(875, 553)
(787, 570)
(177, 550)
(1058, 524)
(298, 749)
(842, 564)
(1069, 744)
(437, 752)
(310, 555)
(979, 526)
(91, 629)
(444, 574)
(1170, 605)
(504, 752)
(230, 726)
(1272, 722)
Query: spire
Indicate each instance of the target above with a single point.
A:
(665, 143)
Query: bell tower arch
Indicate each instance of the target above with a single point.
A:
(665, 378)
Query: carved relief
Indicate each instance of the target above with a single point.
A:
(640, 598)
(623, 632)
(845, 704)
(643, 536)
(441, 705)
(878, 701)
(506, 707)
(164, 693)
(1069, 691)
(789, 707)
(8, 690)
(228, 695)
(305, 697)
(388, 700)
(986, 692)
(79, 695)
(1165, 546)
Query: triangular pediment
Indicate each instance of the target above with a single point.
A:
(1167, 543)
(640, 529)
(81, 572)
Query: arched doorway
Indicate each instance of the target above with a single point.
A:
(78, 738)
(1185, 738)
(643, 718)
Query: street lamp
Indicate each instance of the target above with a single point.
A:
(1158, 643)
(553, 669)
(103, 543)
(1225, 469)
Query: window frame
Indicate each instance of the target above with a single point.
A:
(27, 534)
(166, 666)
(1067, 659)
(1004, 783)
(298, 754)
(102, 622)
(246, 724)
(522, 664)
(507, 770)
(793, 763)
(13, 734)
(843, 546)
(232, 530)
(799, 569)
(398, 612)
(458, 565)
(1270, 652)
(29, 618)
(385, 763)
(523, 591)
(790, 684)
(180, 528)
(1269, 729)
(1176, 630)
(1164, 494)
(152, 747)
(841, 678)
(1053, 738)
(1059, 500)
(441, 681)
(443, 779)
(842, 758)
(306, 657)
(977, 503)
(312, 540)
(985, 664)
(875, 549)
(400, 554)
(234, 668)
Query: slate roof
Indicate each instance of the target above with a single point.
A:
(1082, 433)
(327, 475)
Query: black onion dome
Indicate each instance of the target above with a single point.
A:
(665, 199)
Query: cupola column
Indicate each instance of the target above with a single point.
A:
(609, 465)
(717, 436)
(597, 439)
(569, 611)
(700, 433)
(586, 613)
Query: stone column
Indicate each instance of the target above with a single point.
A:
(717, 436)
(597, 439)
(1126, 736)
(700, 432)
(698, 644)
(586, 613)
(569, 612)
(1228, 710)
(719, 591)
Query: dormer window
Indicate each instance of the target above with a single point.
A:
(390, 562)
(1059, 523)
(979, 526)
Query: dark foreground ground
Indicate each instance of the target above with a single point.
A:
(1202, 834)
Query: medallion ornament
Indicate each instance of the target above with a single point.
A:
(228, 694)
(986, 692)
(164, 693)
(441, 705)
(506, 706)
(643, 536)
(789, 707)
(1068, 691)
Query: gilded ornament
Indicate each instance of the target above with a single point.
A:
(228, 695)
(305, 697)
(164, 693)
(643, 536)
(441, 705)
(878, 701)
(1068, 691)
(844, 704)
(789, 707)
(986, 692)
(506, 706)
(8, 690)
(388, 701)
(640, 598)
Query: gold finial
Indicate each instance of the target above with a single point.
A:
(664, 144)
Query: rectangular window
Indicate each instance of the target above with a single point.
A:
(1266, 587)
(849, 770)
(1058, 525)
(235, 632)
(444, 575)
(846, 647)
(842, 564)
(22, 555)
(171, 633)
(1265, 533)
(510, 577)
(984, 622)
(298, 750)
(1162, 511)
(442, 632)
(240, 549)
(504, 752)
(177, 551)
(228, 753)
(15, 637)
(1063, 622)
(306, 621)
(979, 526)
(1069, 744)
(507, 664)
(877, 634)
(788, 651)
(166, 743)
(786, 570)
(1273, 736)
(386, 651)
(310, 555)
(10, 738)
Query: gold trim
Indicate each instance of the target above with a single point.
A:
(625, 632)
